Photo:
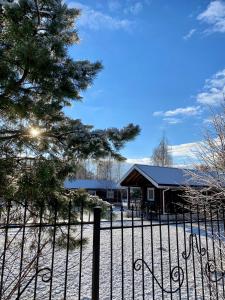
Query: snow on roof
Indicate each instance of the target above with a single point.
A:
(167, 176)
(91, 184)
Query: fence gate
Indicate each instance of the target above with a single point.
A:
(153, 256)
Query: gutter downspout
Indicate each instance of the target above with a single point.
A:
(164, 199)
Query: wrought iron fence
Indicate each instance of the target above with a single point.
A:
(125, 254)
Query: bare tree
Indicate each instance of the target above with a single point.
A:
(108, 169)
(211, 171)
(84, 170)
(104, 168)
(161, 156)
(209, 200)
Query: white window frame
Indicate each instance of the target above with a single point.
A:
(153, 190)
(108, 192)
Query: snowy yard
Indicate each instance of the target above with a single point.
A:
(154, 246)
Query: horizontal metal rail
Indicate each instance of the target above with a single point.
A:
(158, 224)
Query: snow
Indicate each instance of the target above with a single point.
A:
(152, 245)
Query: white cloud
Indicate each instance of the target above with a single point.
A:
(183, 111)
(180, 111)
(172, 121)
(140, 160)
(207, 121)
(96, 20)
(185, 151)
(134, 9)
(177, 115)
(213, 90)
(158, 113)
(214, 15)
(131, 7)
(189, 34)
(184, 156)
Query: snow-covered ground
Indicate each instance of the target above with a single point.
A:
(155, 244)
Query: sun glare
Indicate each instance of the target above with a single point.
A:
(35, 132)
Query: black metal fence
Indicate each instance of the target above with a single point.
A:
(126, 254)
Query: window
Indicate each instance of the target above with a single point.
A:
(110, 194)
(92, 192)
(151, 194)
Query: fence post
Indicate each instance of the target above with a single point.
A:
(96, 253)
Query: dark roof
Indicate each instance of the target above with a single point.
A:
(167, 176)
(91, 184)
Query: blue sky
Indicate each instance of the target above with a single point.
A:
(163, 65)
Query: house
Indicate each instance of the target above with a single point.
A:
(105, 189)
(160, 187)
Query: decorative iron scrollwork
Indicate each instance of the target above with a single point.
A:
(211, 271)
(46, 275)
(176, 274)
(193, 241)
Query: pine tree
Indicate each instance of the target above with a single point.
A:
(39, 144)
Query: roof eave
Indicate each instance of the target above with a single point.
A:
(135, 167)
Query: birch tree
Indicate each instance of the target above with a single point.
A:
(161, 156)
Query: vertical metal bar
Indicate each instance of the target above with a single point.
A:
(122, 254)
(220, 248)
(53, 253)
(5, 246)
(185, 251)
(142, 253)
(152, 255)
(81, 248)
(132, 232)
(161, 254)
(169, 253)
(221, 228)
(213, 244)
(178, 254)
(96, 253)
(207, 247)
(111, 253)
(38, 252)
(22, 247)
(223, 218)
(193, 254)
(67, 249)
(200, 247)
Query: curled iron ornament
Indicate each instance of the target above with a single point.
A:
(176, 274)
(193, 241)
(211, 271)
(210, 266)
(46, 275)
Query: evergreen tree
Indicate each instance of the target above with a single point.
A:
(39, 144)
